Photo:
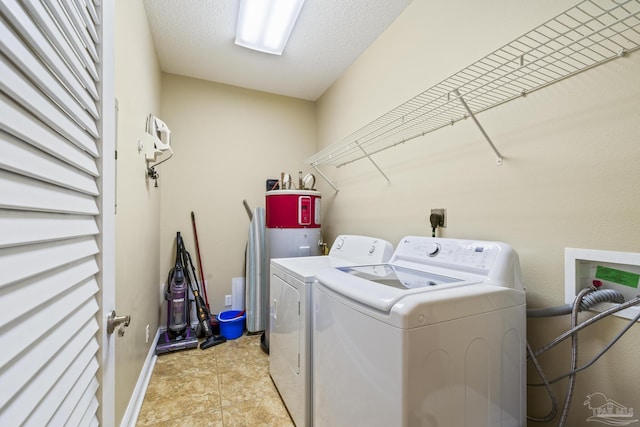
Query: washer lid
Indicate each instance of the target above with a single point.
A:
(382, 286)
(398, 277)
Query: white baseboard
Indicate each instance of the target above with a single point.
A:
(135, 403)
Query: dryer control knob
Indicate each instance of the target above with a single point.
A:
(339, 243)
(372, 249)
(433, 249)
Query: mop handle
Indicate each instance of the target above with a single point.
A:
(204, 285)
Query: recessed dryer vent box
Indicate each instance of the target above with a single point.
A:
(615, 270)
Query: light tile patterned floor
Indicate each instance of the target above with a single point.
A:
(224, 386)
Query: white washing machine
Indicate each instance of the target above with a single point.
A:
(290, 353)
(436, 337)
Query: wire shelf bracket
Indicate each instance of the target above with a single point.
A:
(589, 34)
(499, 159)
(315, 168)
(374, 163)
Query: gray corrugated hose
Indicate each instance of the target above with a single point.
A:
(586, 299)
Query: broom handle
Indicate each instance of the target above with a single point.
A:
(204, 285)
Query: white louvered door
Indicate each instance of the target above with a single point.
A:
(57, 187)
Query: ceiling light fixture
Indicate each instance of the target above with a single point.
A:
(265, 25)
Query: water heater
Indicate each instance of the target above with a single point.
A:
(292, 225)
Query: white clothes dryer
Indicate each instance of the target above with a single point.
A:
(436, 337)
(290, 353)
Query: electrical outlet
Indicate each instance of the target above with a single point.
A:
(227, 300)
(443, 213)
(146, 335)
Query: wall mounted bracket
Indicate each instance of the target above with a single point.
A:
(475, 120)
(372, 161)
(325, 178)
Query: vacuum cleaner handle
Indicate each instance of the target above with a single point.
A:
(205, 323)
(203, 314)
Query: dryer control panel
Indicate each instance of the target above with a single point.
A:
(361, 249)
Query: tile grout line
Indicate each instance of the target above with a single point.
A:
(218, 369)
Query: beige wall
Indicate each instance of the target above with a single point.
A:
(138, 216)
(227, 142)
(570, 176)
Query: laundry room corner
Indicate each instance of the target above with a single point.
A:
(228, 141)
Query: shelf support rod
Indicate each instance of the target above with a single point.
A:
(475, 120)
(325, 178)
(374, 163)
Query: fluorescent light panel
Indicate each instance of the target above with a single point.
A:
(265, 25)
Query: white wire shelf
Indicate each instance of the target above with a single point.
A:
(589, 34)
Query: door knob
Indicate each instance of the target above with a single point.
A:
(113, 321)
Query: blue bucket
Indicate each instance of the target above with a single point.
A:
(231, 324)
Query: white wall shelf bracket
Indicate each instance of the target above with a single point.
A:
(325, 178)
(499, 158)
(374, 163)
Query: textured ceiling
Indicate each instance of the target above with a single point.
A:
(195, 38)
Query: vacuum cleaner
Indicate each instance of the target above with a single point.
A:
(179, 334)
(204, 317)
